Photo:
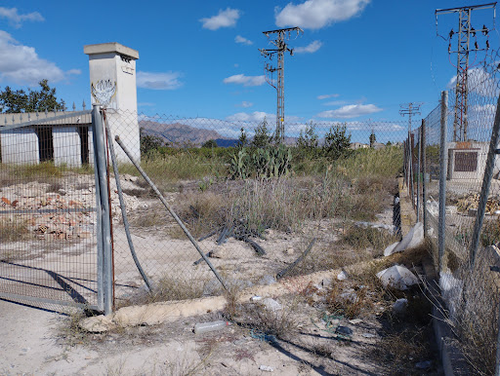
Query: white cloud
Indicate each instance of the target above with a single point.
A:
(245, 104)
(350, 111)
(256, 116)
(159, 81)
(480, 82)
(242, 40)
(311, 48)
(335, 103)
(225, 18)
(241, 79)
(16, 19)
(315, 14)
(22, 65)
(352, 126)
(326, 96)
(74, 71)
(486, 108)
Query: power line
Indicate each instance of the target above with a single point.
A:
(464, 34)
(279, 85)
(410, 109)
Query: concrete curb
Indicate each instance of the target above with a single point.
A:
(161, 312)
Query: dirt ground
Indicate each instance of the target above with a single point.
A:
(306, 335)
(309, 340)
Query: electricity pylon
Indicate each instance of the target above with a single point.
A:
(464, 33)
(279, 84)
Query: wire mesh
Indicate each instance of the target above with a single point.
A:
(252, 206)
(469, 141)
(47, 215)
(470, 292)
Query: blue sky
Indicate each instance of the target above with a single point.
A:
(357, 59)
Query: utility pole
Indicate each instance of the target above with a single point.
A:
(410, 109)
(464, 34)
(279, 84)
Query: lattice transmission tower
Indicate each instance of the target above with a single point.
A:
(464, 34)
(279, 84)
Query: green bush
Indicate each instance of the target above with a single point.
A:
(269, 162)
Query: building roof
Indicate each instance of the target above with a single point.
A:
(45, 118)
(113, 47)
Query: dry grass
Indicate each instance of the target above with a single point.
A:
(360, 238)
(380, 163)
(403, 348)
(476, 309)
(283, 204)
(166, 289)
(169, 169)
(262, 321)
(14, 230)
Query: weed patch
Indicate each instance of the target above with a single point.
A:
(13, 230)
(360, 238)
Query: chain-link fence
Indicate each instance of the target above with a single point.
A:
(452, 177)
(47, 214)
(249, 211)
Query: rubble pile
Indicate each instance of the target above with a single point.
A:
(471, 202)
(58, 220)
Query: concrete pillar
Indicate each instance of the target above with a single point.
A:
(113, 85)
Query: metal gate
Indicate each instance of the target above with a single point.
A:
(49, 224)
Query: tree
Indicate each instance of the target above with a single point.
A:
(262, 139)
(210, 144)
(34, 100)
(307, 143)
(243, 139)
(337, 142)
(373, 138)
(150, 143)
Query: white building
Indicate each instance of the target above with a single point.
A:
(65, 137)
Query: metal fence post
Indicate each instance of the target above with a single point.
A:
(419, 171)
(485, 189)
(443, 165)
(105, 264)
(424, 184)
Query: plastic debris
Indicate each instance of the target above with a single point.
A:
(390, 249)
(204, 327)
(413, 239)
(266, 368)
(397, 277)
(400, 306)
(342, 276)
(270, 304)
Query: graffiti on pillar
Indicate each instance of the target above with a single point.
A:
(103, 91)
